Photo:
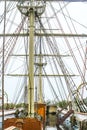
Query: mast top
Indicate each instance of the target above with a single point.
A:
(38, 6)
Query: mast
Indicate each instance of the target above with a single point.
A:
(40, 65)
(31, 63)
(40, 80)
(30, 9)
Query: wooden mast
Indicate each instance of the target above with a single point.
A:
(31, 63)
(40, 80)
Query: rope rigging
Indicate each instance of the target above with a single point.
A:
(54, 62)
(62, 62)
(52, 47)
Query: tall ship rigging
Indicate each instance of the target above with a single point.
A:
(46, 57)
